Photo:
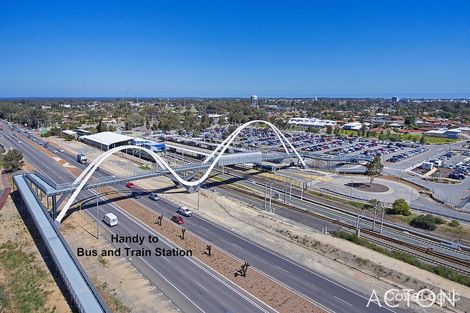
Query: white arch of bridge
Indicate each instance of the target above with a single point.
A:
(83, 178)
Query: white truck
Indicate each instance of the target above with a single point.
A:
(81, 158)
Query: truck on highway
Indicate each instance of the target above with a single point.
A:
(81, 158)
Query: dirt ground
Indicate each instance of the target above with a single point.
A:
(141, 298)
(352, 265)
(13, 229)
(116, 273)
(256, 283)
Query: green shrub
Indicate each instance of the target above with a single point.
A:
(400, 207)
(428, 221)
(454, 223)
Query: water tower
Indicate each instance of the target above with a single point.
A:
(254, 101)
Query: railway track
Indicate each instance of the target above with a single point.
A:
(424, 254)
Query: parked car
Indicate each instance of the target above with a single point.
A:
(177, 219)
(131, 185)
(154, 196)
(185, 211)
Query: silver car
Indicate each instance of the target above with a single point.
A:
(154, 196)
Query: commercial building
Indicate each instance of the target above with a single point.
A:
(106, 140)
(70, 133)
(310, 122)
(254, 101)
(352, 126)
(444, 133)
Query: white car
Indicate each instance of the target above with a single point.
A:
(185, 211)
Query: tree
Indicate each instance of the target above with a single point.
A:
(329, 130)
(410, 120)
(101, 127)
(12, 160)
(422, 140)
(374, 168)
(400, 207)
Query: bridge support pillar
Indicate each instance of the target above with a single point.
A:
(54, 207)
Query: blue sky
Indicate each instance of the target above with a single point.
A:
(234, 48)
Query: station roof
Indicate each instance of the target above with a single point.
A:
(107, 138)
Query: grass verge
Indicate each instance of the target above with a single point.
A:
(23, 289)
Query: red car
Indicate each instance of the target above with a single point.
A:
(177, 219)
(131, 185)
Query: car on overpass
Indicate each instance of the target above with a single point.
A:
(177, 219)
(131, 185)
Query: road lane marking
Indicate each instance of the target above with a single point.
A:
(204, 228)
(202, 287)
(343, 301)
(282, 269)
(227, 283)
(299, 266)
(155, 270)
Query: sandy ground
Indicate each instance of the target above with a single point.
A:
(12, 228)
(354, 266)
(116, 272)
(78, 229)
(256, 283)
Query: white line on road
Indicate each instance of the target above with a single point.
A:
(202, 287)
(343, 301)
(282, 269)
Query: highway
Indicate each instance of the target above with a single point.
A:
(186, 279)
(258, 185)
(191, 286)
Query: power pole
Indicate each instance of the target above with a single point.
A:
(382, 220)
(265, 196)
(270, 196)
(358, 229)
(375, 214)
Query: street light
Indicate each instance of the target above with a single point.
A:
(351, 190)
(97, 229)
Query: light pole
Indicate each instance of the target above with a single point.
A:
(97, 229)
(198, 194)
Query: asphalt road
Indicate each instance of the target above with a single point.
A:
(190, 285)
(182, 282)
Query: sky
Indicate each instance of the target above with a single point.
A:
(235, 48)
